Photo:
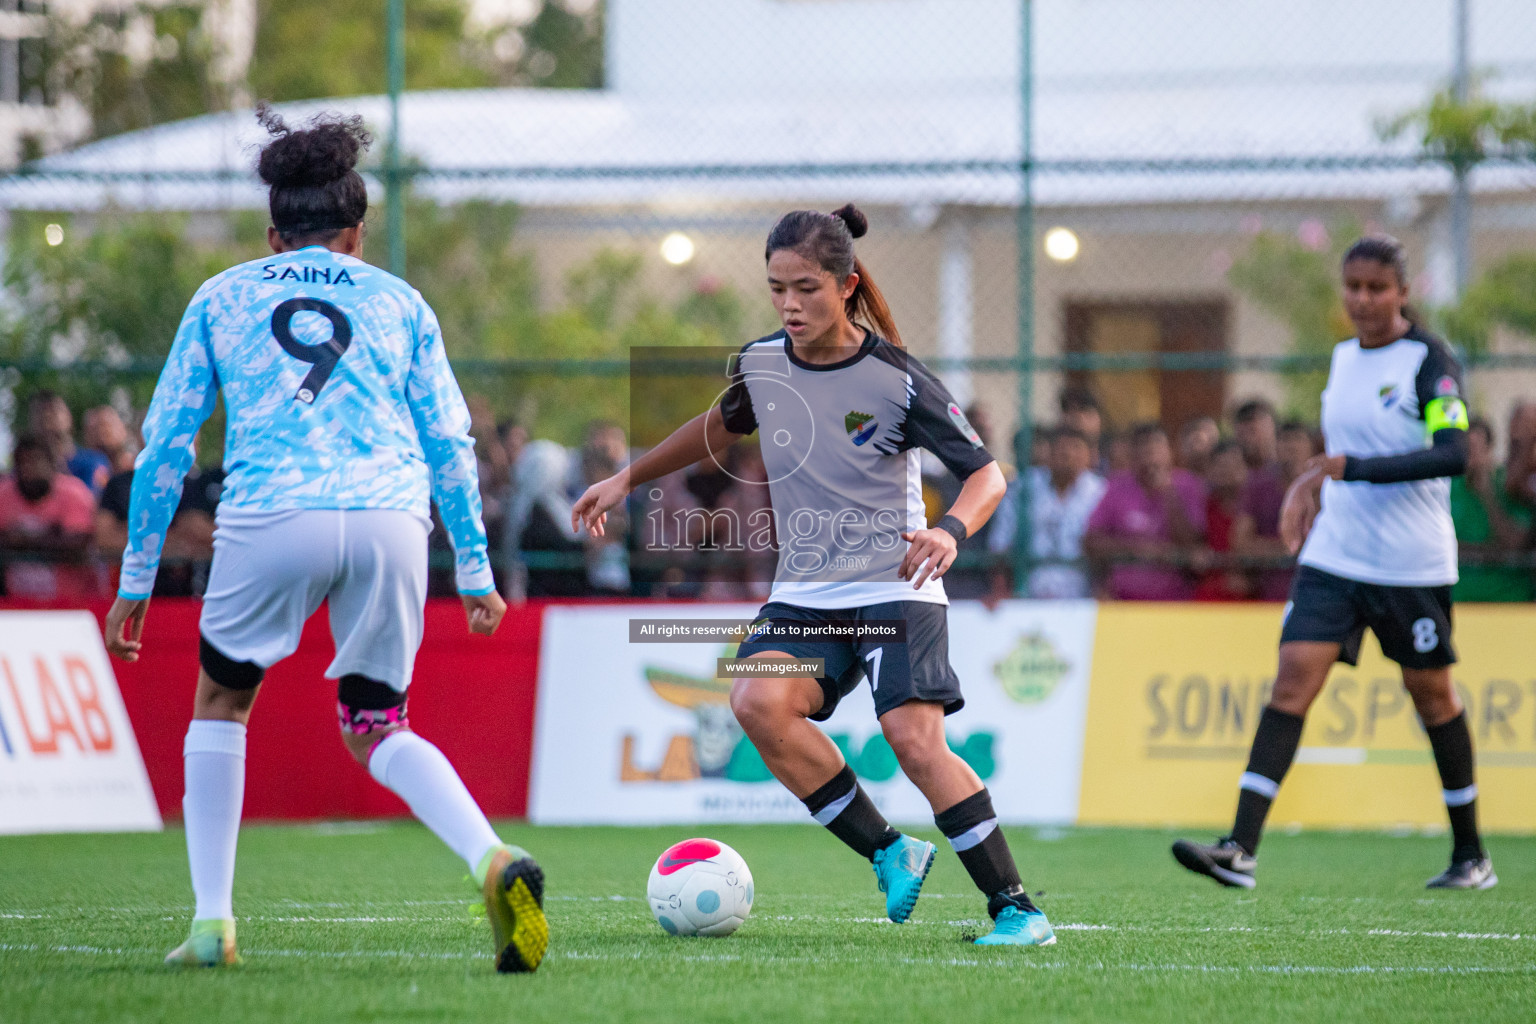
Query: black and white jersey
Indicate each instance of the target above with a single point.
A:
(1376, 403)
(841, 442)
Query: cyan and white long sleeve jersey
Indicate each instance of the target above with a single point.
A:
(338, 395)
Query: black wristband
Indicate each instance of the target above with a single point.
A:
(952, 526)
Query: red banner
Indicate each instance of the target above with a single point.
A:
(473, 696)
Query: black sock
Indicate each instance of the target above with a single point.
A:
(971, 828)
(1274, 748)
(1452, 744)
(848, 813)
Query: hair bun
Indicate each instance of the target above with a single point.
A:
(322, 152)
(858, 224)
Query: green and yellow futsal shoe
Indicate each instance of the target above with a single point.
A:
(211, 944)
(514, 904)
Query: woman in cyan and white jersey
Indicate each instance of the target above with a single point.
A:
(843, 410)
(344, 423)
(1379, 553)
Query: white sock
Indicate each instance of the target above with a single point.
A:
(214, 756)
(418, 773)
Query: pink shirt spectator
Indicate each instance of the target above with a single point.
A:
(1262, 497)
(68, 507)
(1127, 512)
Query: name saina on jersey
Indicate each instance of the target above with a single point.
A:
(308, 274)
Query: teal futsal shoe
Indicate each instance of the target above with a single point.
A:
(899, 870)
(1015, 927)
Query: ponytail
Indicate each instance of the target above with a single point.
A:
(867, 303)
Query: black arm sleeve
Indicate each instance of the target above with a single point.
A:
(736, 410)
(936, 423)
(1448, 457)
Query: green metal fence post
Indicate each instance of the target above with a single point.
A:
(1024, 231)
(1461, 188)
(394, 181)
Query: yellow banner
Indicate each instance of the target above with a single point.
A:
(1176, 694)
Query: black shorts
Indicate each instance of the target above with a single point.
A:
(1413, 624)
(916, 668)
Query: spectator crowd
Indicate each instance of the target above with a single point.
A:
(1132, 515)
(1196, 517)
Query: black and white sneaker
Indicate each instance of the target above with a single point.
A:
(1223, 860)
(1472, 873)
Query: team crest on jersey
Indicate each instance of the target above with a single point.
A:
(963, 425)
(1388, 395)
(861, 426)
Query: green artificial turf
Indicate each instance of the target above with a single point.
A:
(374, 923)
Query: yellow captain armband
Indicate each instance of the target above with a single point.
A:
(1448, 413)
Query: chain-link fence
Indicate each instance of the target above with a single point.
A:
(1185, 175)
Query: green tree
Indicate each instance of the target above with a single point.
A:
(606, 314)
(561, 48)
(147, 63)
(465, 260)
(1299, 286)
(467, 263)
(307, 50)
(138, 65)
(1465, 134)
(93, 316)
(1504, 294)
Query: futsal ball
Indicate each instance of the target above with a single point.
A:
(700, 887)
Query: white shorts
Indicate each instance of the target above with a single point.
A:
(271, 570)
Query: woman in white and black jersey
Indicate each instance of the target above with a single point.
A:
(843, 410)
(1371, 520)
